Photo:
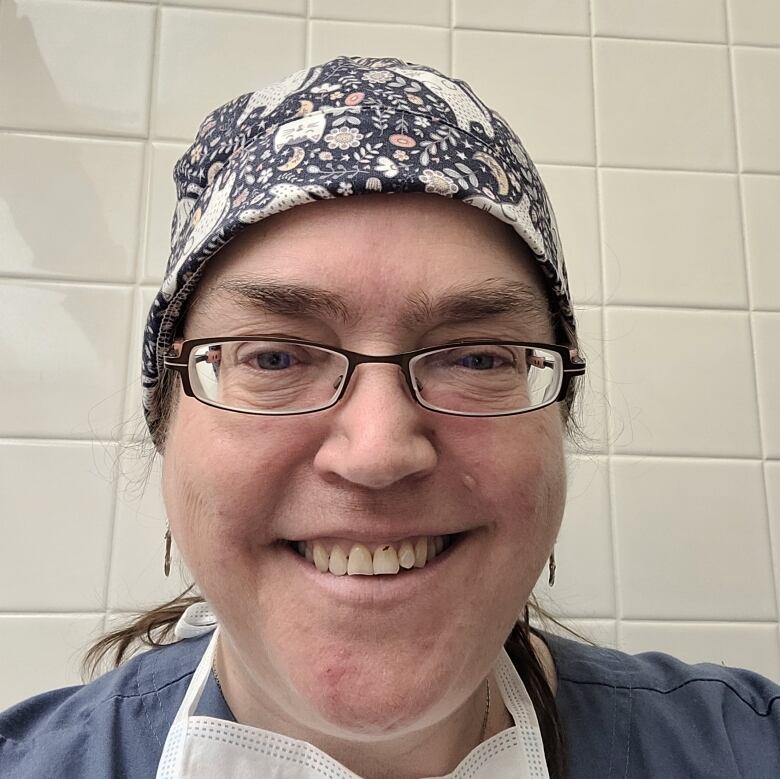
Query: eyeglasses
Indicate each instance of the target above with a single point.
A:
(281, 376)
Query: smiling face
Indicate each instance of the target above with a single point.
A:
(365, 656)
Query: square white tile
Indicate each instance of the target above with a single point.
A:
(664, 105)
(75, 66)
(572, 191)
(296, 7)
(590, 408)
(42, 653)
(137, 579)
(65, 355)
(669, 20)
(548, 16)
(766, 335)
(692, 540)
(431, 12)
(757, 85)
(83, 222)
(208, 58)
(419, 45)
(161, 205)
(584, 581)
(672, 239)
(57, 515)
(752, 646)
(552, 110)
(761, 199)
(755, 21)
(681, 382)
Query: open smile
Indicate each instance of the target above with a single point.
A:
(344, 557)
(389, 581)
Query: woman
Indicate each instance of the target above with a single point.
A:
(364, 472)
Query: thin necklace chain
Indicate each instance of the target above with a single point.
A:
(484, 718)
(487, 711)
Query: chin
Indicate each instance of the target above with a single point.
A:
(371, 709)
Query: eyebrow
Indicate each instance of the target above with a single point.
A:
(493, 297)
(287, 299)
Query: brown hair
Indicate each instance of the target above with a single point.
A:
(154, 628)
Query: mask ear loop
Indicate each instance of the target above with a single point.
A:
(167, 561)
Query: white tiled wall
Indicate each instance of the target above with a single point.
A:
(657, 128)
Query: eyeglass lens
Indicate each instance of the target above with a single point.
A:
(280, 377)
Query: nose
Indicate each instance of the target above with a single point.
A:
(378, 435)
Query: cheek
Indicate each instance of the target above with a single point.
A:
(221, 481)
(517, 474)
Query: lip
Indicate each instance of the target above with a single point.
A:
(374, 538)
(382, 589)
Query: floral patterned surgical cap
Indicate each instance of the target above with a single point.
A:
(351, 126)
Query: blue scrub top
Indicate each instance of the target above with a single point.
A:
(648, 715)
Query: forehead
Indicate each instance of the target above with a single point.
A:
(410, 256)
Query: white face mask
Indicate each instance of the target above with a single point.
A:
(205, 747)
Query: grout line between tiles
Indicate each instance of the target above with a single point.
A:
(106, 136)
(307, 36)
(22, 440)
(678, 457)
(623, 38)
(722, 621)
(143, 220)
(749, 290)
(669, 308)
(592, 36)
(672, 309)
(617, 595)
(641, 168)
(673, 41)
(80, 135)
(153, 284)
(451, 9)
(140, 262)
(661, 170)
(43, 281)
(55, 441)
(220, 10)
(385, 23)
(70, 614)
(142, 258)
(452, 26)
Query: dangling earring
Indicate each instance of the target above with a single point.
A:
(551, 579)
(167, 563)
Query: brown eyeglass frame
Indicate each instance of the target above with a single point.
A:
(573, 366)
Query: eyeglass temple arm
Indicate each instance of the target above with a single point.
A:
(576, 364)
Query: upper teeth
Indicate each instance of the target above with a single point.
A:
(358, 559)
